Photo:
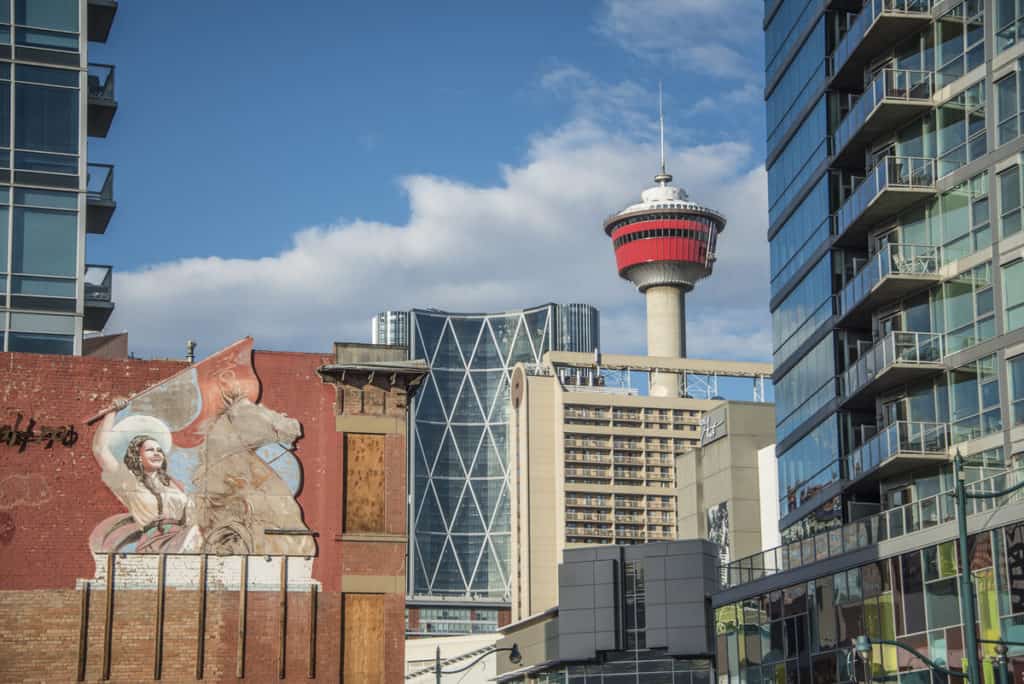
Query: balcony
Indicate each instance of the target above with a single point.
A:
(897, 359)
(893, 98)
(893, 523)
(900, 447)
(893, 184)
(877, 28)
(102, 104)
(895, 272)
(101, 17)
(98, 304)
(99, 202)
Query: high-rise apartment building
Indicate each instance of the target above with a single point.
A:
(894, 155)
(459, 475)
(598, 463)
(51, 100)
(894, 178)
(391, 328)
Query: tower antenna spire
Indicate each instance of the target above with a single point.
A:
(663, 178)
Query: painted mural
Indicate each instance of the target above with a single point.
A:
(201, 467)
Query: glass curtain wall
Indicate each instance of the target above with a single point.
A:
(459, 470)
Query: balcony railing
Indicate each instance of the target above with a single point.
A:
(893, 259)
(902, 438)
(628, 503)
(898, 347)
(898, 86)
(100, 183)
(866, 20)
(98, 282)
(889, 524)
(890, 173)
(101, 81)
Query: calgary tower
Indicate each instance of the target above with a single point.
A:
(664, 245)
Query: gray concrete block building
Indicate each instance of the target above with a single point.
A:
(626, 613)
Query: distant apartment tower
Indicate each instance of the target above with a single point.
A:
(597, 463)
(51, 197)
(459, 475)
(391, 328)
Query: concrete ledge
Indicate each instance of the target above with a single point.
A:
(373, 584)
(367, 537)
(376, 425)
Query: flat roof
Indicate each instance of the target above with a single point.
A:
(667, 364)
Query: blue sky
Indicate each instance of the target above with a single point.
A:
(286, 174)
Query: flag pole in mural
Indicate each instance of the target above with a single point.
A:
(201, 467)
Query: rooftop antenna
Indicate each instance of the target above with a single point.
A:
(663, 178)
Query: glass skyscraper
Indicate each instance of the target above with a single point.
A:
(51, 100)
(458, 466)
(894, 151)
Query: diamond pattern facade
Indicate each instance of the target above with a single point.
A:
(459, 470)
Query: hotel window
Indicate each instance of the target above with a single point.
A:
(960, 126)
(1013, 295)
(974, 400)
(1016, 368)
(965, 303)
(1007, 109)
(1009, 14)
(1009, 198)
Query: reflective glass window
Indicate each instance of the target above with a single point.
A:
(60, 15)
(803, 78)
(1013, 295)
(45, 242)
(46, 118)
(786, 25)
(803, 154)
(803, 310)
(809, 465)
(803, 232)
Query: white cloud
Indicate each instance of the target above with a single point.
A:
(534, 237)
(719, 37)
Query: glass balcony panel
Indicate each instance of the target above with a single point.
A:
(890, 173)
(899, 88)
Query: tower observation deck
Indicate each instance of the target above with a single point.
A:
(664, 245)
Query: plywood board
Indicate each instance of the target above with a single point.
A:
(363, 650)
(364, 483)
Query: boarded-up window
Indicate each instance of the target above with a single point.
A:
(363, 510)
(363, 648)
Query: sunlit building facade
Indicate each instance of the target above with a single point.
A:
(894, 150)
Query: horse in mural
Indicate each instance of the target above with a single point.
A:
(237, 492)
(238, 495)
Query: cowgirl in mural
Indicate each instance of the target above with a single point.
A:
(132, 455)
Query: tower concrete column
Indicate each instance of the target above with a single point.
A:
(666, 333)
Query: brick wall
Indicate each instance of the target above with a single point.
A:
(51, 498)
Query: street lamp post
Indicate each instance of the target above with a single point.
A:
(513, 655)
(969, 622)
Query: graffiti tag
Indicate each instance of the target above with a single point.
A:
(16, 435)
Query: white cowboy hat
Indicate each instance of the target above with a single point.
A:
(132, 426)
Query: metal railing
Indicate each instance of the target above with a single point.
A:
(100, 182)
(98, 282)
(101, 81)
(902, 85)
(889, 172)
(896, 347)
(888, 524)
(902, 437)
(865, 20)
(893, 259)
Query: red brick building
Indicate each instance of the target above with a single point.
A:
(70, 613)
